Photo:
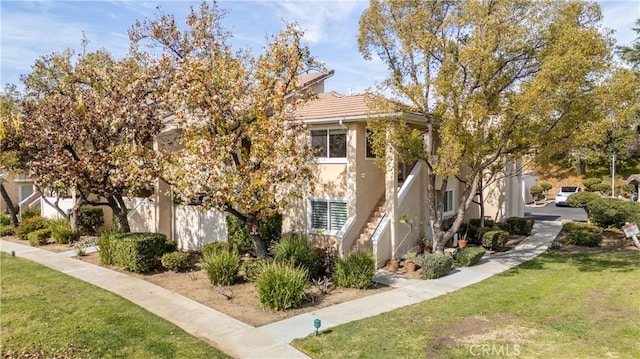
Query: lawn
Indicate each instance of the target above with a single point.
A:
(560, 305)
(47, 314)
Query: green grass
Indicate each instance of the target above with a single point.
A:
(560, 305)
(47, 313)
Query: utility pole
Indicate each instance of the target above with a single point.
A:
(613, 175)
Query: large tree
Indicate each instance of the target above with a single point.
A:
(92, 120)
(494, 81)
(242, 153)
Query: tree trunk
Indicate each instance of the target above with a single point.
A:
(119, 209)
(254, 234)
(73, 221)
(10, 207)
(580, 167)
(481, 202)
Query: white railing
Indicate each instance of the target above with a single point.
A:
(345, 232)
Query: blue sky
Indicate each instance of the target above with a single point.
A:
(32, 28)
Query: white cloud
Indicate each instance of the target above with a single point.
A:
(621, 16)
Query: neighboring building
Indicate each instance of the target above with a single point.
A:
(21, 190)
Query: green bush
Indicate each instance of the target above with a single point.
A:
(215, 247)
(30, 225)
(39, 237)
(546, 186)
(518, 225)
(582, 199)
(175, 261)
(30, 213)
(536, 192)
(6, 230)
(104, 243)
(298, 251)
(251, 268)
(221, 266)
(435, 265)
(487, 223)
(603, 188)
(584, 238)
(469, 256)
(581, 226)
(90, 219)
(4, 220)
(270, 230)
(281, 285)
(137, 252)
(480, 234)
(355, 270)
(609, 212)
(588, 183)
(495, 240)
(61, 231)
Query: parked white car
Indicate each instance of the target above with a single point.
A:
(564, 193)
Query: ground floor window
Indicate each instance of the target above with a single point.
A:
(448, 202)
(25, 191)
(328, 215)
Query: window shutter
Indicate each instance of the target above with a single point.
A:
(319, 215)
(338, 212)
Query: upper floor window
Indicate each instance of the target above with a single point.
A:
(329, 143)
(369, 147)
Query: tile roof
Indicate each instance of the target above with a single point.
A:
(332, 104)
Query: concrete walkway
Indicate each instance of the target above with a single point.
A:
(272, 341)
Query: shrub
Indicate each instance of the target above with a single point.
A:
(270, 229)
(580, 226)
(355, 270)
(137, 252)
(4, 220)
(281, 285)
(609, 212)
(90, 219)
(61, 231)
(30, 213)
(603, 188)
(298, 251)
(546, 186)
(584, 238)
(582, 199)
(30, 225)
(175, 261)
(480, 234)
(519, 225)
(105, 243)
(215, 247)
(536, 192)
(39, 237)
(6, 231)
(495, 240)
(588, 183)
(252, 268)
(487, 222)
(221, 266)
(469, 256)
(435, 265)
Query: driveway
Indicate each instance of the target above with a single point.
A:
(552, 213)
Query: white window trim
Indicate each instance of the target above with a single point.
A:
(339, 160)
(453, 202)
(310, 229)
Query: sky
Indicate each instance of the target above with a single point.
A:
(30, 29)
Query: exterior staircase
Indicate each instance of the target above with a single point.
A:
(364, 241)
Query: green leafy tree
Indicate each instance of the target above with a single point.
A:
(242, 153)
(494, 81)
(91, 121)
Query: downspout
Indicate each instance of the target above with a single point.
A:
(173, 217)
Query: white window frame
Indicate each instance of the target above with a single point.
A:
(330, 232)
(449, 193)
(331, 159)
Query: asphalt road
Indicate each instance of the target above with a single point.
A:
(551, 213)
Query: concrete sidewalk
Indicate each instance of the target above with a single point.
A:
(272, 341)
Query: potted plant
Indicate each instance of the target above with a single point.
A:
(463, 241)
(427, 245)
(411, 261)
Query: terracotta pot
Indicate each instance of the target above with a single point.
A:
(410, 266)
(392, 265)
(463, 243)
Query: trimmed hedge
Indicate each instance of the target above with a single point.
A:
(298, 251)
(39, 237)
(581, 199)
(495, 240)
(355, 270)
(281, 286)
(580, 226)
(137, 252)
(584, 238)
(270, 231)
(30, 225)
(518, 225)
(609, 212)
(435, 265)
(469, 256)
(175, 261)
